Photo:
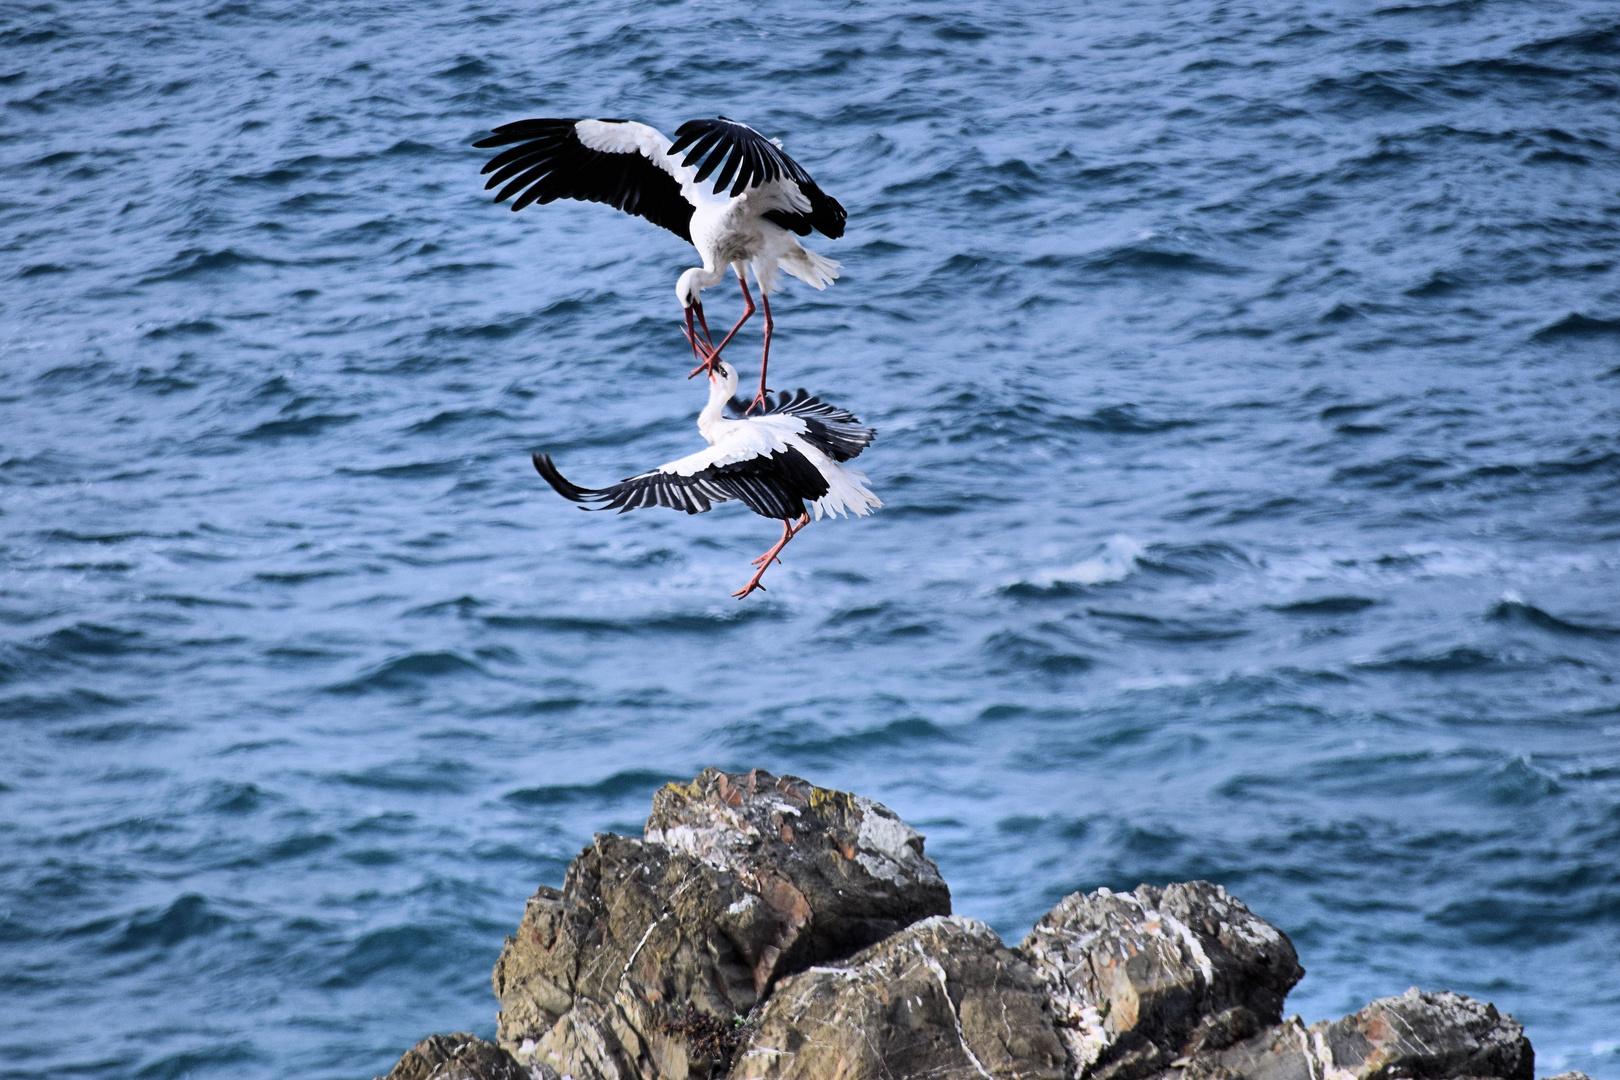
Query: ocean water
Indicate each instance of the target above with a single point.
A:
(1246, 385)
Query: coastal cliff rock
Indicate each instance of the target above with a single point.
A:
(1138, 980)
(640, 965)
(766, 929)
(943, 999)
(1415, 1036)
(842, 870)
(459, 1056)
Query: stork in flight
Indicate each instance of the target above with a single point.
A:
(774, 462)
(760, 203)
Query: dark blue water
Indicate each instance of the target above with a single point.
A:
(1246, 389)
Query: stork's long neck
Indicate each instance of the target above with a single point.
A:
(720, 391)
(695, 280)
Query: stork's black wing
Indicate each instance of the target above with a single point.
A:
(738, 155)
(773, 487)
(551, 163)
(834, 431)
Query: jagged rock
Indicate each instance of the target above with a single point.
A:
(842, 870)
(650, 944)
(1138, 980)
(943, 999)
(459, 1056)
(600, 972)
(766, 928)
(1416, 1036)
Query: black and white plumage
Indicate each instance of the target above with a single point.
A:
(774, 463)
(748, 219)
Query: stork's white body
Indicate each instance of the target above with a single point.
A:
(775, 463)
(727, 230)
(734, 234)
(732, 441)
(734, 194)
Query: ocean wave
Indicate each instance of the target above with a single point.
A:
(409, 672)
(417, 776)
(611, 788)
(196, 263)
(1514, 611)
(413, 947)
(188, 917)
(58, 705)
(700, 623)
(1327, 605)
(1052, 653)
(1576, 326)
(1455, 661)
(1113, 561)
(815, 742)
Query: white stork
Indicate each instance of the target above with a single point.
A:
(773, 462)
(748, 220)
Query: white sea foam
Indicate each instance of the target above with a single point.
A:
(1114, 561)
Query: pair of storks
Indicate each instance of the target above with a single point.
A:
(749, 219)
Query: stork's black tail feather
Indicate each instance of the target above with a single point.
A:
(571, 492)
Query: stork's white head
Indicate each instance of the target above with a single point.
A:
(724, 379)
(686, 288)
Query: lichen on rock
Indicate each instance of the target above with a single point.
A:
(764, 928)
(1415, 1036)
(458, 1056)
(1139, 979)
(739, 880)
(943, 999)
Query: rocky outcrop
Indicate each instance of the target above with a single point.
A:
(1415, 1036)
(1138, 980)
(457, 1057)
(841, 871)
(763, 927)
(652, 944)
(943, 999)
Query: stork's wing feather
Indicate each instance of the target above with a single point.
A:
(834, 431)
(738, 156)
(618, 162)
(775, 486)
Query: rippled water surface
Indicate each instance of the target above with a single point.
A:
(1246, 395)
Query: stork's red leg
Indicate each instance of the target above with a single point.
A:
(748, 311)
(765, 360)
(789, 531)
(793, 530)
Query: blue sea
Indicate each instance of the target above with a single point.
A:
(1247, 387)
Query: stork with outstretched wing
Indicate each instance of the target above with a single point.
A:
(749, 218)
(776, 463)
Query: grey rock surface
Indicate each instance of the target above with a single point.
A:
(458, 1056)
(641, 964)
(1417, 1035)
(1138, 980)
(841, 870)
(942, 999)
(767, 929)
